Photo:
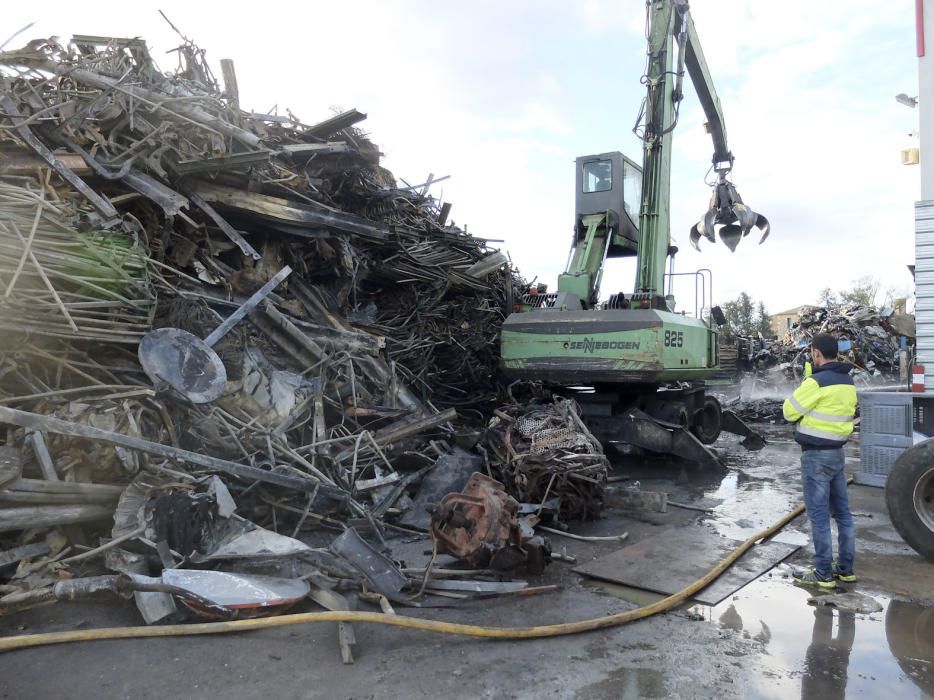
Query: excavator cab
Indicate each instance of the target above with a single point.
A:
(606, 225)
(610, 183)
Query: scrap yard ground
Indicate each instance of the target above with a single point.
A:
(764, 641)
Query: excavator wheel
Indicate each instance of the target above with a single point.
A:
(673, 413)
(708, 421)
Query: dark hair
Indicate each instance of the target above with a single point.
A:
(826, 344)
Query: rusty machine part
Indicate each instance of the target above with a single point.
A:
(481, 526)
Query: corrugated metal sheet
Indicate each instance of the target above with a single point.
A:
(924, 287)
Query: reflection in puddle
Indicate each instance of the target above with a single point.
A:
(822, 652)
(819, 652)
(909, 630)
(827, 658)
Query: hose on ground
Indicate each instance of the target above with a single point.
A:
(379, 618)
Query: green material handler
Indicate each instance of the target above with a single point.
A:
(638, 368)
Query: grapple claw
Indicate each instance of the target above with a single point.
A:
(731, 235)
(705, 227)
(764, 226)
(695, 237)
(727, 210)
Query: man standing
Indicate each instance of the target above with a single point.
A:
(823, 408)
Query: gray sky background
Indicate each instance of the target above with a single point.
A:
(503, 96)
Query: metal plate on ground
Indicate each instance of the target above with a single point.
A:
(672, 560)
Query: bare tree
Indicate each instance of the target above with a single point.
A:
(864, 291)
(827, 299)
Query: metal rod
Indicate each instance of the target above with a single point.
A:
(247, 307)
(582, 538)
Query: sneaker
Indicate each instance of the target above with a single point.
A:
(812, 578)
(842, 576)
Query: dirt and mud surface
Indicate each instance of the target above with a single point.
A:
(764, 641)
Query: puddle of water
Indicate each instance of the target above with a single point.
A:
(807, 652)
(828, 653)
(819, 652)
(639, 596)
(760, 487)
(811, 652)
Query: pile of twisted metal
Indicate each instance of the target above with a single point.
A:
(238, 357)
(878, 343)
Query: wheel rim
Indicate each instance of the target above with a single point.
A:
(924, 499)
(707, 421)
(710, 417)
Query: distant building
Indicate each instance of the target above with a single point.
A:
(782, 322)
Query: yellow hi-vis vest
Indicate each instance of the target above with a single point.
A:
(823, 406)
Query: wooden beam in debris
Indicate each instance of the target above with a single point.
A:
(288, 211)
(43, 456)
(27, 163)
(47, 499)
(37, 421)
(338, 122)
(85, 492)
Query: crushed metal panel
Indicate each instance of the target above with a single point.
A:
(235, 591)
(449, 475)
(379, 570)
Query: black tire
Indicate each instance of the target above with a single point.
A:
(909, 495)
(708, 421)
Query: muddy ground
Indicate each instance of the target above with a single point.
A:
(765, 641)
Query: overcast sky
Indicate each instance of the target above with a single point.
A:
(502, 96)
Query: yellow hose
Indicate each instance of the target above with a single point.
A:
(557, 630)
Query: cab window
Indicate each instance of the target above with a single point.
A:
(632, 191)
(598, 176)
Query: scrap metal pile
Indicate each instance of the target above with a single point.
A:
(871, 340)
(222, 329)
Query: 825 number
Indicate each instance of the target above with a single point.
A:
(674, 339)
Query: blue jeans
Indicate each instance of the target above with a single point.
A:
(824, 483)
